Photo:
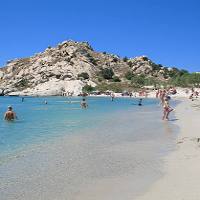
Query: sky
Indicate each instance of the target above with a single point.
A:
(167, 31)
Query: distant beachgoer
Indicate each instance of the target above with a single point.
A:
(84, 103)
(45, 102)
(196, 94)
(140, 102)
(130, 94)
(191, 97)
(157, 93)
(146, 94)
(166, 109)
(135, 94)
(112, 96)
(162, 96)
(10, 115)
(22, 99)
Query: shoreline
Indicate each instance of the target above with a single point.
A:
(173, 177)
(181, 178)
(109, 164)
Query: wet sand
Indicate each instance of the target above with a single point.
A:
(182, 175)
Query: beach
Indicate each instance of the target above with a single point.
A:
(100, 100)
(182, 174)
(141, 157)
(119, 145)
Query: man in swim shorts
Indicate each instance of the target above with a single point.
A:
(10, 115)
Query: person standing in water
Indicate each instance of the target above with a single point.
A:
(84, 104)
(10, 115)
(112, 96)
(166, 108)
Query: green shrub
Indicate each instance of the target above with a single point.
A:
(125, 59)
(115, 87)
(138, 80)
(22, 83)
(107, 73)
(116, 79)
(155, 67)
(88, 88)
(93, 61)
(129, 63)
(84, 75)
(115, 59)
(129, 75)
(100, 79)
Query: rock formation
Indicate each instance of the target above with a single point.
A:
(58, 70)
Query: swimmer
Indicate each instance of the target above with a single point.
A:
(84, 103)
(140, 102)
(10, 115)
(45, 102)
(22, 99)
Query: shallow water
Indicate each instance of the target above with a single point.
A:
(58, 151)
(39, 122)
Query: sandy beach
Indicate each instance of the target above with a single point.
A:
(182, 175)
(118, 159)
(161, 162)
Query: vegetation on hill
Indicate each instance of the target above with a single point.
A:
(73, 62)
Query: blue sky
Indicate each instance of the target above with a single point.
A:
(167, 31)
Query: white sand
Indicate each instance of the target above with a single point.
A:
(181, 180)
(182, 168)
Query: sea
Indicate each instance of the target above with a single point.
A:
(60, 151)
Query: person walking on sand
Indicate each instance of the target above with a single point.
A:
(10, 115)
(166, 108)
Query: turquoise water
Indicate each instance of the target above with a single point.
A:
(58, 151)
(38, 122)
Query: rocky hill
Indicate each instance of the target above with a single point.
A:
(69, 66)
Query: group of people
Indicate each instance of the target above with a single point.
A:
(162, 94)
(194, 94)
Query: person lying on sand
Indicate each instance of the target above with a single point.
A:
(10, 115)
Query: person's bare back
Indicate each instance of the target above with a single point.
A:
(10, 115)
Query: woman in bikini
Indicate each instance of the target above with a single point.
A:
(166, 109)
